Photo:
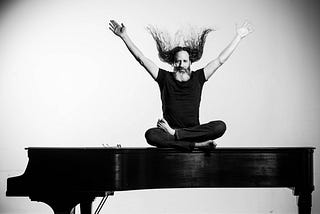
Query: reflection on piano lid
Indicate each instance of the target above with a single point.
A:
(65, 177)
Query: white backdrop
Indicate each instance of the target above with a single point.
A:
(67, 81)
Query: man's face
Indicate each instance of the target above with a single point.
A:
(182, 62)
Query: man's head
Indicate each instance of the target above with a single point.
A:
(181, 61)
(193, 45)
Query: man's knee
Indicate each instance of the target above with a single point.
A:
(218, 128)
(222, 126)
(154, 137)
(150, 136)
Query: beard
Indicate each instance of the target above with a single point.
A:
(182, 70)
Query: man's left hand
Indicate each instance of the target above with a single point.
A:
(244, 30)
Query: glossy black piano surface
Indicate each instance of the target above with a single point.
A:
(64, 177)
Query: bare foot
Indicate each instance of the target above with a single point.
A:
(163, 124)
(209, 144)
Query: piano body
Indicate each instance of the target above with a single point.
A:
(65, 177)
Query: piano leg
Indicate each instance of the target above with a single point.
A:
(66, 205)
(305, 202)
(86, 206)
(61, 208)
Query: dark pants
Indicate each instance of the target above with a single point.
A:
(185, 138)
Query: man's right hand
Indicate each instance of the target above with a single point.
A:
(120, 30)
(117, 29)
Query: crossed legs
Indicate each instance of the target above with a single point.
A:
(200, 136)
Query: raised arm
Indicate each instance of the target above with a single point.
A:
(241, 32)
(120, 30)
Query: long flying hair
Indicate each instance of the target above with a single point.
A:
(193, 43)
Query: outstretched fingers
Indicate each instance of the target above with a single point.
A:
(115, 27)
(244, 29)
(113, 23)
(248, 26)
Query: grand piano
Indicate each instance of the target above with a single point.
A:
(66, 177)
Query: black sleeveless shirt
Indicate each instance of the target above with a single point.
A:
(181, 100)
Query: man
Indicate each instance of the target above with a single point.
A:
(181, 89)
